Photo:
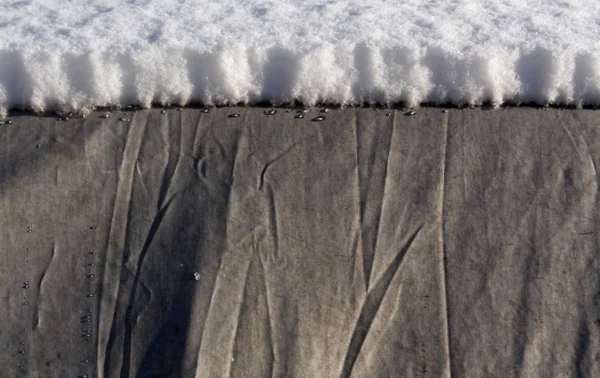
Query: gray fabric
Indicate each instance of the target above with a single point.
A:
(459, 244)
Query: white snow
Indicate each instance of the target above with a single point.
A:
(80, 54)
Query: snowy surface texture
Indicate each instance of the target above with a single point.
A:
(79, 54)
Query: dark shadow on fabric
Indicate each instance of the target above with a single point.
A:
(192, 236)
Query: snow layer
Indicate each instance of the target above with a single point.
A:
(80, 54)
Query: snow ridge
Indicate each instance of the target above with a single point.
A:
(82, 54)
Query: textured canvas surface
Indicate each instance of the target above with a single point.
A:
(188, 244)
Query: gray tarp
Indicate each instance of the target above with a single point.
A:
(459, 244)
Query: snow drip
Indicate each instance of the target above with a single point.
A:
(65, 82)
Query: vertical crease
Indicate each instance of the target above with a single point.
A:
(129, 321)
(228, 192)
(368, 274)
(114, 247)
(358, 237)
(443, 255)
(270, 318)
(239, 315)
(372, 304)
